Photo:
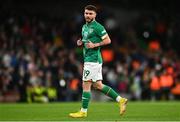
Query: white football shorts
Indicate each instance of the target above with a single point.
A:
(92, 71)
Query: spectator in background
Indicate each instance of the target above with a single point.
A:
(176, 89)
(166, 83)
(155, 86)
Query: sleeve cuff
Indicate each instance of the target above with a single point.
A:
(103, 37)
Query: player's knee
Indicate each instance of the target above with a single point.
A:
(86, 86)
(98, 86)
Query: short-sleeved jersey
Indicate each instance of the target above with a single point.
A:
(93, 32)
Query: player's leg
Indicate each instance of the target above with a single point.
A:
(113, 94)
(86, 96)
(107, 90)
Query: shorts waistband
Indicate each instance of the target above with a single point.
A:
(92, 63)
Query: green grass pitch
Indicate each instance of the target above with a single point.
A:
(98, 111)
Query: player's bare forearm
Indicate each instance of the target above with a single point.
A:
(105, 41)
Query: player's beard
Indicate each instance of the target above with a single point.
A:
(88, 20)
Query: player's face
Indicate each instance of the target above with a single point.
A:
(89, 15)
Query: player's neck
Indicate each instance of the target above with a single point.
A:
(90, 21)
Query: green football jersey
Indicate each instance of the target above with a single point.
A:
(93, 32)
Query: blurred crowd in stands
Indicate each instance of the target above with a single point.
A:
(40, 62)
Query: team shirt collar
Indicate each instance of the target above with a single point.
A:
(90, 22)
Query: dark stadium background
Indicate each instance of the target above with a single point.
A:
(39, 60)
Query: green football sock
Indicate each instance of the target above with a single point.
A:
(86, 96)
(109, 92)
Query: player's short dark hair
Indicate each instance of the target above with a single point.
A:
(91, 7)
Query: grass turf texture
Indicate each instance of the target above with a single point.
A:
(98, 111)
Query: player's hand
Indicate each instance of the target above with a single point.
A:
(90, 44)
(79, 42)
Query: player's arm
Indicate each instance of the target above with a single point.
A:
(105, 41)
(79, 41)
